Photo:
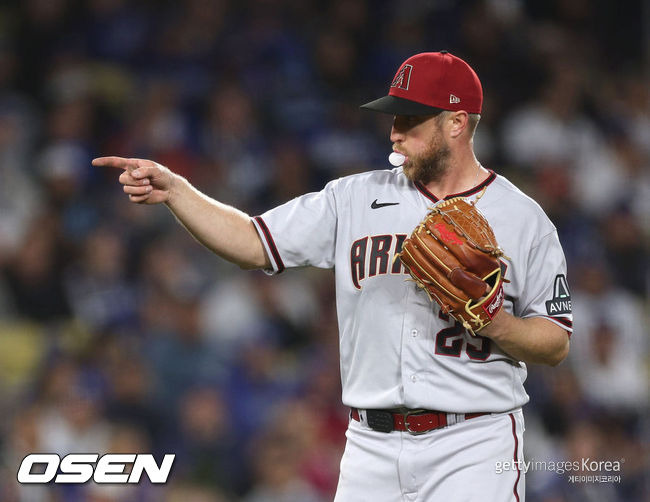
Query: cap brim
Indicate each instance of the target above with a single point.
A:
(400, 106)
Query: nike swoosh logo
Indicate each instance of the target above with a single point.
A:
(377, 205)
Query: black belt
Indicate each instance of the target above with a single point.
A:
(412, 421)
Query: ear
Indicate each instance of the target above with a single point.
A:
(459, 121)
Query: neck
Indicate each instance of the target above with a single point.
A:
(463, 174)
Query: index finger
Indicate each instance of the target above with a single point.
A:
(119, 162)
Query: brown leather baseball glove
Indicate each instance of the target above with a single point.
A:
(454, 256)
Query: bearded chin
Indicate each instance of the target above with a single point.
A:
(430, 167)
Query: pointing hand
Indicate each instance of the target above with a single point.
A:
(145, 181)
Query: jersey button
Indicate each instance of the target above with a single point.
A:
(414, 333)
(414, 378)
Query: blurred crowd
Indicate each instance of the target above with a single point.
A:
(119, 333)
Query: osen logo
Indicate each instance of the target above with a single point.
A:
(81, 467)
(561, 302)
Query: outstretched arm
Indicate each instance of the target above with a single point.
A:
(226, 231)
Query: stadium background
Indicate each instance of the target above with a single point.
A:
(119, 333)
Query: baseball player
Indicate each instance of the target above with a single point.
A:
(433, 408)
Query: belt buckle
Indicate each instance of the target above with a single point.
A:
(406, 415)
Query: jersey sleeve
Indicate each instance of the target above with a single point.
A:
(547, 291)
(301, 232)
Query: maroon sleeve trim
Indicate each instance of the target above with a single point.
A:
(562, 320)
(269, 240)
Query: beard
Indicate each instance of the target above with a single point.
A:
(432, 165)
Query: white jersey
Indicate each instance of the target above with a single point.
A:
(397, 349)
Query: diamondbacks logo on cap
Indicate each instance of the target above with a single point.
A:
(561, 302)
(453, 99)
(403, 77)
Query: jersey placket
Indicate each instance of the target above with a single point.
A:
(414, 340)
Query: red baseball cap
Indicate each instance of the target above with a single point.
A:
(430, 82)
